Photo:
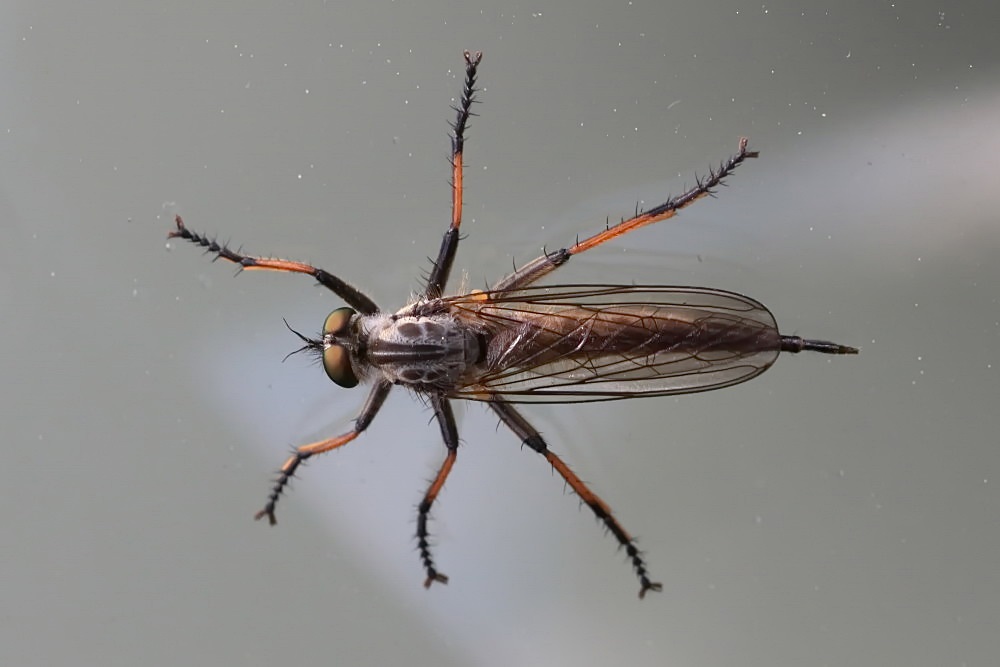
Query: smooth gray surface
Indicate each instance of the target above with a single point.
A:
(832, 512)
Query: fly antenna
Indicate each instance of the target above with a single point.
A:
(310, 344)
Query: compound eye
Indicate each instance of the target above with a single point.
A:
(337, 322)
(337, 363)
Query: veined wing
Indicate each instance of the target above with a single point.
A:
(579, 343)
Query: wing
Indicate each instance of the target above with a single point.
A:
(579, 343)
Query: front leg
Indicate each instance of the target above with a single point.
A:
(287, 471)
(352, 295)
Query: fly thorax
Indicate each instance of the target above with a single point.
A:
(431, 351)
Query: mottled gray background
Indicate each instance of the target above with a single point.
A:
(836, 511)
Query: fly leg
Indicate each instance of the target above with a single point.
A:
(352, 295)
(449, 432)
(449, 244)
(287, 471)
(542, 266)
(531, 437)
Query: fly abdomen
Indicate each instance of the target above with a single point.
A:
(633, 329)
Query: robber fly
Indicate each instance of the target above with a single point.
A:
(520, 342)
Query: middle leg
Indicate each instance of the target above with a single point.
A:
(449, 433)
(449, 244)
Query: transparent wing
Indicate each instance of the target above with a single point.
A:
(578, 343)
